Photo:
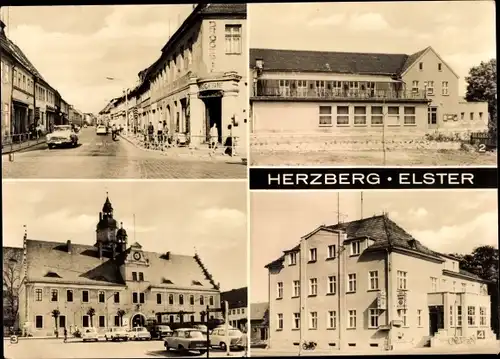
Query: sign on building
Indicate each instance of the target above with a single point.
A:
(401, 299)
(381, 300)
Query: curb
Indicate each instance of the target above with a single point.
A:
(23, 148)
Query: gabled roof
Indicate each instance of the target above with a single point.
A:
(236, 298)
(10, 47)
(258, 311)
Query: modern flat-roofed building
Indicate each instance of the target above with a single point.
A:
(237, 313)
(368, 284)
(358, 94)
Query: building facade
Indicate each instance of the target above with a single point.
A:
(45, 110)
(122, 283)
(358, 93)
(369, 284)
(259, 323)
(237, 312)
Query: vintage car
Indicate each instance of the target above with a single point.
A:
(90, 335)
(116, 334)
(160, 331)
(139, 333)
(63, 135)
(202, 328)
(235, 338)
(101, 130)
(186, 340)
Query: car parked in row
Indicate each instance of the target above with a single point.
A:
(186, 340)
(235, 338)
(139, 333)
(160, 331)
(116, 334)
(90, 335)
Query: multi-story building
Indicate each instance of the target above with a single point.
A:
(259, 322)
(121, 283)
(7, 63)
(75, 116)
(369, 284)
(237, 312)
(358, 93)
(45, 110)
(64, 112)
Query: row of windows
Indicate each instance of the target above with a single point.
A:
(421, 66)
(22, 81)
(5, 72)
(374, 314)
(136, 297)
(237, 311)
(138, 277)
(361, 116)
(429, 87)
(43, 94)
(354, 248)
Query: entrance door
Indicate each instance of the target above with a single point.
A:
(436, 319)
(213, 116)
(432, 117)
(138, 321)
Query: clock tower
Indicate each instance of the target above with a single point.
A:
(109, 239)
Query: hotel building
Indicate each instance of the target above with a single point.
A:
(369, 284)
(122, 283)
(358, 93)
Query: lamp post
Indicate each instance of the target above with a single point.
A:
(126, 91)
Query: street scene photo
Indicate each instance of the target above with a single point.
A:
(391, 89)
(107, 270)
(378, 272)
(139, 92)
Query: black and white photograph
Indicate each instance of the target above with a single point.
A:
(376, 272)
(373, 83)
(125, 91)
(124, 269)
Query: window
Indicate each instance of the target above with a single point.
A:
(351, 323)
(373, 318)
(444, 88)
(313, 255)
(451, 315)
(471, 316)
(331, 251)
(472, 116)
(69, 295)
(141, 277)
(414, 86)
(401, 278)
(464, 287)
(38, 295)
(279, 321)
(351, 284)
(373, 275)
(393, 115)
(313, 320)
(459, 316)
(85, 321)
(480, 115)
(284, 88)
(410, 117)
(332, 319)
(440, 67)
(313, 286)
(134, 276)
(85, 296)
(171, 319)
(279, 290)
(296, 288)
(443, 285)
(62, 321)
(355, 248)
(420, 66)
(202, 300)
(482, 316)
(102, 321)
(342, 115)
(54, 295)
(419, 317)
(191, 300)
(117, 321)
(332, 284)
(430, 88)
(377, 115)
(292, 259)
(320, 88)
(134, 298)
(462, 115)
(359, 115)
(39, 322)
(302, 89)
(158, 298)
(325, 116)
(141, 298)
(402, 314)
(181, 299)
(116, 297)
(101, 296)
(211, 300)
(233, 39)
(296, 320)
(170, 299)
(432, 115)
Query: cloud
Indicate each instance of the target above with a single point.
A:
(64, 221)
(419, 212)
(368, 22)
(335, 19)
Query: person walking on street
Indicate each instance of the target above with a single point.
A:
(160, 132)
(214, 139)
(65, 335)
(151, 133)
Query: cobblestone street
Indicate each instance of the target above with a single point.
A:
(99, 157)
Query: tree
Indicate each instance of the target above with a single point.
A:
(12, 283)
(482, 86)
(120, 313)
(91, 313)
(55, 314)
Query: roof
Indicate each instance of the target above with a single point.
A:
(236, 298)
(383, 231)
(83, 266)
(10, 47)
(335, 62)
(258, 311)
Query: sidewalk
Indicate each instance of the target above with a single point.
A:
(15, 147)
(186, 152)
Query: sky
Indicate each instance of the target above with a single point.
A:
(444, 221)
(169, 216)
(76, 47)
(462, 32)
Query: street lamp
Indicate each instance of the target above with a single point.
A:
(126, 91)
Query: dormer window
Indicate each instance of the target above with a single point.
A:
(355, 248)
(313, 254)
(292, 258)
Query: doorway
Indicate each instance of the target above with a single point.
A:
(436, 319)
(432, 117)
(138, 320)
(213, 116)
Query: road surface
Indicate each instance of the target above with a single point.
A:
(99, 157)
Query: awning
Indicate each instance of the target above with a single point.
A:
(19, 103)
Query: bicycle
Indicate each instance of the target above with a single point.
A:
(309, 345)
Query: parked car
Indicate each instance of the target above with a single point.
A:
(186, 340)
(90, 335)
(160, 331)
(101, 130)
(139, 333)
(63, 135)
(236, 339)
(116, 334)
(202, 328)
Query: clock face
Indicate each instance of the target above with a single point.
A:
(137, 256)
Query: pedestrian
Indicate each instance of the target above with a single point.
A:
(214, 139)
(151, 132)
(165, 133)
(65, 334)
(160, 132)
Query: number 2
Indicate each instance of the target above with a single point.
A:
(482, 148)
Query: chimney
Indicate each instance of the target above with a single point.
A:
(2, 28)
(259, 63)
(68, 246)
